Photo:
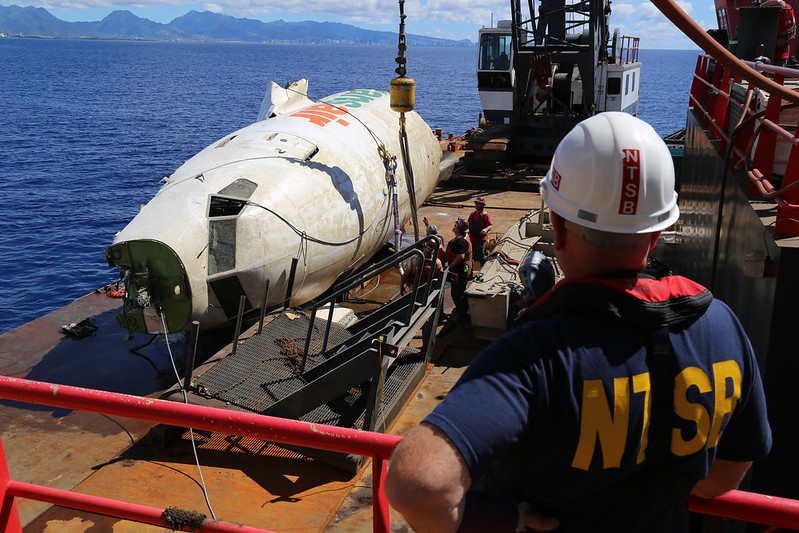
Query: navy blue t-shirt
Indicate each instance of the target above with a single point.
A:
(556, 416)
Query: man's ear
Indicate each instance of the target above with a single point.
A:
(653, 240)
(559, 228)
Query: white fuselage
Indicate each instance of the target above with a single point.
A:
(310, 184)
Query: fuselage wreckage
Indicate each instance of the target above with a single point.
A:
(293, 201)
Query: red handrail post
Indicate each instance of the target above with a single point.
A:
(720, 104)
(726, 112)
(767, 139)
(787, 217)
(699, 73)
(9, 516)
(380, 512)
(716, 103)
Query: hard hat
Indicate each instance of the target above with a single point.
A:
(612, 172)
(480, 200)
(462, 225)
(432, 230)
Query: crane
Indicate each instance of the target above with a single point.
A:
(553, 64)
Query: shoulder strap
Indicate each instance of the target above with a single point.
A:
(662, 365)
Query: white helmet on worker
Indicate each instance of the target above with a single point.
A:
(612, 172)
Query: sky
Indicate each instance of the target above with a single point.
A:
(449, 19)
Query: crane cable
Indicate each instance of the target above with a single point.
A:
(403, 99)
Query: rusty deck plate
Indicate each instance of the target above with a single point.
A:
(249, 481)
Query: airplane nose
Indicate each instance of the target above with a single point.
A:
(157, 289)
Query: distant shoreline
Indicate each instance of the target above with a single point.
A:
(292, 43)
(195, 26)
(219, 41)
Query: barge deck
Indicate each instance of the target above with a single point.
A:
(248, 481)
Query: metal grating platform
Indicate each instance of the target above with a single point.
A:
(265, 367)
(349, 409)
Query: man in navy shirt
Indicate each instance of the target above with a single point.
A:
(615, 395)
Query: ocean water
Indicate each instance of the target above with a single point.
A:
(89, 128)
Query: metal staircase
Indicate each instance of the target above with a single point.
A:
(302, 365)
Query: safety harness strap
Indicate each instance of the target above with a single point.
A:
(662, 368)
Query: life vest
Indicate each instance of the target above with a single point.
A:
(652, 305)
(636, 298)
(786, 28)
(451, 255)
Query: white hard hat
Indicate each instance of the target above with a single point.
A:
(613, 173)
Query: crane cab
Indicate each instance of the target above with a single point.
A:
(495, 73)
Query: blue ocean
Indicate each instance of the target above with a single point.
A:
(89, 128)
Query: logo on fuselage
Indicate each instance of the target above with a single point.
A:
(334, 109)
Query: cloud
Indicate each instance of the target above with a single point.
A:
(372, 11)
(115, 4)
(656, 31)
(452, 19)
(623, 10)
(686, 6)
(648, 11)
(464, 11)
(446, 18)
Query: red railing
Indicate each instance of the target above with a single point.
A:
(629, 49)
(712, 103)
(378, 446)
(739, 505)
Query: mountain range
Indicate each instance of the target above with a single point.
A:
(16, 21)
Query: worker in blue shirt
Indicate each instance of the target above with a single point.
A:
(615, 395)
